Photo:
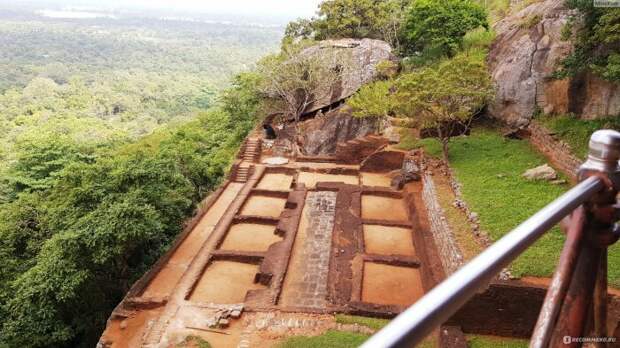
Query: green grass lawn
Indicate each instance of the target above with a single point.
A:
(495, 342)
(576, 132)
(332, 339)
(489, 168)
(373, 323)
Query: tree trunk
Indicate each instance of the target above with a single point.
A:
(444, 139)
(444, 149)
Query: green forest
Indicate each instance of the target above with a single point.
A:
(111, 131)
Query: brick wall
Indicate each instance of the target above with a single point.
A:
(449, 251)
(558, 152)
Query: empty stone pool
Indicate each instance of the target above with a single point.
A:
(225, 282)
(250, 237)
(386, 240)
(263, 206)
(310, 179)
(391, 285)
(376, 179)
(383, 208)
(275, 182)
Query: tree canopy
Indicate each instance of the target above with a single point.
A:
(440, 24)
(446, 94)
(596, 42)
(109, 137)
(376, 19)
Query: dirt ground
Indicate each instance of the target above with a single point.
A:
(376, 179)
(275, 182)
(385, 240)
(128, 333)
(263, 206)
(293, 277)
(225, 282)
(310, 179)
(250, 237)
(383, 208)
(385, 284)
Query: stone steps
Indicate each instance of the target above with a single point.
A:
(252, 150)
(242, 174)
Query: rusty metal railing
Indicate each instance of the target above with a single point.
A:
(576, 301)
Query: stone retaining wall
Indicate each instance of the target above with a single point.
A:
(449, 251)
(558, 152)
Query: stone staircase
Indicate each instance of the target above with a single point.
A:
(250, 154)
(252, 150)
(242, 174)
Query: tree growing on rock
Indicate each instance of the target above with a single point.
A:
(297, 78)
(446, 96)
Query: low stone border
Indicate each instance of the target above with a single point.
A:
(558, 152)
(449, 252)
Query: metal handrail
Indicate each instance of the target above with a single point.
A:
(414, 324)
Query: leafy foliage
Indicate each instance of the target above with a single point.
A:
(597, 42)
(377, 19)
(59, 50)
(101, 224)
(576, 132)
(441, 24)
(103, 155)
(372, 100)
(445, 95)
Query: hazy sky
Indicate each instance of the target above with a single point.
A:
(278, 8)
(289, 8)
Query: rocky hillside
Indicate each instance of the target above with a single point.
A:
(526, 52)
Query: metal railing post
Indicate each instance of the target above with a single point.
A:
(572, 287)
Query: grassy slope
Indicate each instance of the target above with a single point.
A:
(489, 168)
(576, 132)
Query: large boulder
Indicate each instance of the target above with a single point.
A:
(320, 136)
(525, 53)
(361, 58)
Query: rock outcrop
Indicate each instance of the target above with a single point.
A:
(361, 58)
(525, 53)
(320, 136)
(544, 172)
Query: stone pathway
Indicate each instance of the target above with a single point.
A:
(309, 286)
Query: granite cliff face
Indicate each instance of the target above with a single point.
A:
(525, 53)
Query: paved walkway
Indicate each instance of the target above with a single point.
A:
(306, 281)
